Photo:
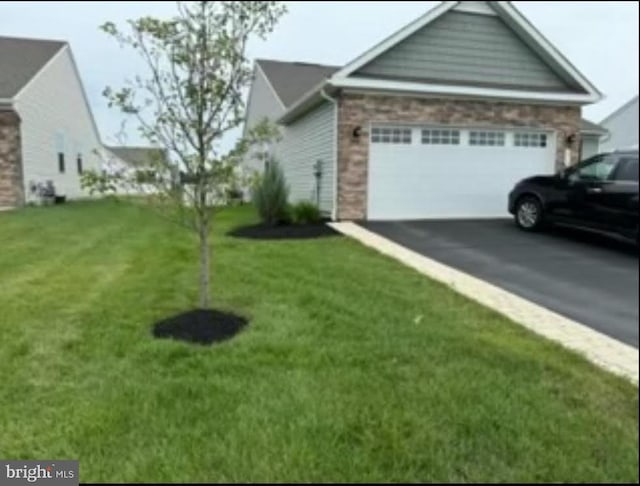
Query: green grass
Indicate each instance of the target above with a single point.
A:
(353, 367)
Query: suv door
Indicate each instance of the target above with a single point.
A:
(620, 198)
(586, 187)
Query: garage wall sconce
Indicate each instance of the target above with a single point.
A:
(357, 131)
(570, 139)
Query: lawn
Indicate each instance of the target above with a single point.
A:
(353, 368)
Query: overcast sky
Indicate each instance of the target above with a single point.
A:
(600, 39)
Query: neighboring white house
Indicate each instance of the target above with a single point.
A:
(134, 165)
(622, 127)
(47, 130)
(439, 120)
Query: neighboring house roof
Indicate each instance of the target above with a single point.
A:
(290, 80)
(21, 60)
(137, 156)
(578, 88)
(620, 110)
(590, 128)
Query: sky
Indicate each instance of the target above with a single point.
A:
(599, 38)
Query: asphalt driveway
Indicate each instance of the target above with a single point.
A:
(589, 278)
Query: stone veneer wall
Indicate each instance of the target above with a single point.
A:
(359, 110)
(11, 180)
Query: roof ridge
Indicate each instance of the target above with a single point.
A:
(619, 109)
(34, 39)
(299, 63)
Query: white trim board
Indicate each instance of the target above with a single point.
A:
(385, 85)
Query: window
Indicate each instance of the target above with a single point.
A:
(595, 169)
(441, 137)
(487, 139)
(79, 162)
(61, 162)
(391, 135)
(530, 140)
(627, 170)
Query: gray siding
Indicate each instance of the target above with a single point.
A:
(623, 128)
(466, 48)
(309, 139)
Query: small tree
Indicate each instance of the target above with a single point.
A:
(192, 95)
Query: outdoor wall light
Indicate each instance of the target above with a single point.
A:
(571, 138)
(357, 131)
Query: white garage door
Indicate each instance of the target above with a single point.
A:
(447, 172)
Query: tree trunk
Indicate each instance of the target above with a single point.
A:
(203, 234)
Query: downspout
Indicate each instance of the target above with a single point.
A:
(334, 101)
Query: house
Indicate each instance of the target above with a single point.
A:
(590, 135)
(439, 120)
(135, 165)
(47, 130)
(622, 127)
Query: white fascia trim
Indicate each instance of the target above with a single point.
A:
(412, 87)
(392, 40)
(41, 70)
(268, 81)
(513, 14)
(84, 95)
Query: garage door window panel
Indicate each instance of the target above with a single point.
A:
(440, 137)
(530, 140)
(391, 135)
(486, 139)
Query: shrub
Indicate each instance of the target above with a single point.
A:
(270, 195)
(305, 212)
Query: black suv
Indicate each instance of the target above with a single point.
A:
(599, 193)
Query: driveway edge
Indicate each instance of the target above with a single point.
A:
(600, 349)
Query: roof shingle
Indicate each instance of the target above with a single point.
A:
(20, 61)
(291, 80)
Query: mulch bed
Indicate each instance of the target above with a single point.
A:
(284, 232)
(200, 326)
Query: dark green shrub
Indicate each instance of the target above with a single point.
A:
(305, 212)
(270, 193)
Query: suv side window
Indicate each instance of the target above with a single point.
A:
(596, 169)
(627, 170)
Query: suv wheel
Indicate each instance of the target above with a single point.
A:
(529, 213)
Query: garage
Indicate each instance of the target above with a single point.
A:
(436, 172)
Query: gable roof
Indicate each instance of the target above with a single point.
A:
(137, 156)
(291, 80)
(507, 12)
(589, 128)
(629, 103)
(344, 79)
(21, 59)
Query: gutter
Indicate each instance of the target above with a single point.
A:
(334, 101)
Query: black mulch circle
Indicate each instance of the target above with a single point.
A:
(284, 232)
(200, 326)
